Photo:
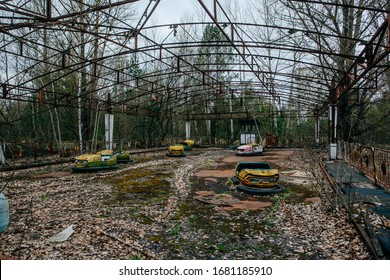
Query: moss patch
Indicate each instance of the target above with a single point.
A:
(295, 194)
(140, 186)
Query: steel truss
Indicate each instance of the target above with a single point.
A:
(183, 75)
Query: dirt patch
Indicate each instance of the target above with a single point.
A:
(57, 174)
(237, 159)
(296, 177)
(215, 173)
(216, 199)
(271, 156)
(248, 205)
(229, 203)
(313, 200)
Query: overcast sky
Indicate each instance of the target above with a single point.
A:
(169, 11)
(172, 10)
(176, 11)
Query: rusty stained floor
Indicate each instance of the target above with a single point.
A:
(225, 169)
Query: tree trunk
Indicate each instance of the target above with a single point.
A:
(82, 82)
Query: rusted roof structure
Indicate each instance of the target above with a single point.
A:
(113, 49)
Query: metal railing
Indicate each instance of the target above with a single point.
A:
(373, 162)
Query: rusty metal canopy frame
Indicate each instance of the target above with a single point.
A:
(45, 43)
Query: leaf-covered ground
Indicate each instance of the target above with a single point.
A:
(176, 208)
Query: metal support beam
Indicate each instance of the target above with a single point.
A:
(215, 9)
(352, 77)
(242, 52)
(219, 116)
(45, 18)
(48, 9)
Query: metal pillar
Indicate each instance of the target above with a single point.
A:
(317, 130)
(332, 121)
(2, 157)
(109, 129)
(188, 129)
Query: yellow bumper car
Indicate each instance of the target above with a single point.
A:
(95, 162)
(257, 178)
(176, 151)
